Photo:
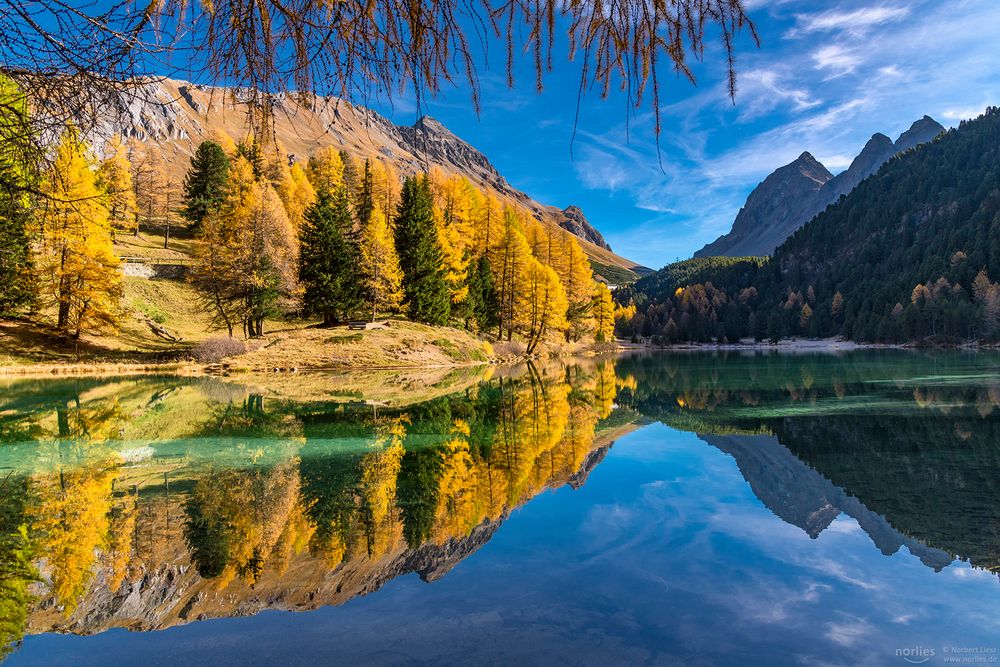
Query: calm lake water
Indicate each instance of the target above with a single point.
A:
(698, 509)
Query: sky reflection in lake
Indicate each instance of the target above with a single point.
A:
(739, 547)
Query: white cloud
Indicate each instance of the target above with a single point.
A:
(855, 22)
(836, 59)
(963, 113)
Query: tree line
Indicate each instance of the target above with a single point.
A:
(332, 237)
(912, 254)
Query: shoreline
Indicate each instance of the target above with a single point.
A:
(233, 368)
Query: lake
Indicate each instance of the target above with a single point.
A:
(695, 508)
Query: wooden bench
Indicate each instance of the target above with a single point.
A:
(357, 325)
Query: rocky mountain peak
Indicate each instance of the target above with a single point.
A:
(764, 222)
(575, 222)
(920, 132)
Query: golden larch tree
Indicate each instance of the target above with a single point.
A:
(380, 265)
(114, 178)
(77, 270)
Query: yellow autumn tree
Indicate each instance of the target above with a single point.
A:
(577, 277)
(114, 178)
(451, 216)
(510, 262)
(603, 313)
(295, 191)
(380, 264)
(543, 309)
(487, 226)
(246, 255)
(75, 264)
(379, 474)
(326, 169)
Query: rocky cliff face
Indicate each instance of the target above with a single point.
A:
(172, 117)
(770, 209)
(576, 223)
(773, 213)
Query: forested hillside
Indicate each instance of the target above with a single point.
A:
(329, 238)
(165, 120)
(910, 254)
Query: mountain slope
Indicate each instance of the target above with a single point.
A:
(910, 254)
(765, 219)
(172, 117)
(773, 213)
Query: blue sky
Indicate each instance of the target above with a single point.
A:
(825, 78)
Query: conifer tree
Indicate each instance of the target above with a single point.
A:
(427, 296)
(205, 183)
(114, 177)
(603, 313)
(364, 195)
(251, 151)
(326, 169)
(18, 174)
(329, 260)
(380, 270)
(483, 301)
(76, 267)
(351, 177)
(246, 257)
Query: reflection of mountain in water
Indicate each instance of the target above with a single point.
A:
(799, 495)
(936, 479)
(253, 503)
(906, 443)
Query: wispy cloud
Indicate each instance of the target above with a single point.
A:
(855, 22)
(836, 59)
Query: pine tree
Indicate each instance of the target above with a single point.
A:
(205, 183)
(483, 301)
(76, 267)
(18, 173)
(364, 195)
(329, 260)
(426, 293)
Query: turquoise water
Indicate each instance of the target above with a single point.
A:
(656, 509)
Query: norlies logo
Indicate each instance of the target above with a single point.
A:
(916, 655)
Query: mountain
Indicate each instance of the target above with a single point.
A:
(786, 200)
(172, 117)
(575, 222)
(766, 218)
(802, 497)
(910, 254)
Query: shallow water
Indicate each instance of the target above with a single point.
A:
(697, 508)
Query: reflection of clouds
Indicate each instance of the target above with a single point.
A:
(849, 632)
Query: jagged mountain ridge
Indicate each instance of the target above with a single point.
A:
(773, 212)
(174, 116)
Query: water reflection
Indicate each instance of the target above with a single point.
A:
(149, 502)
(246, 503)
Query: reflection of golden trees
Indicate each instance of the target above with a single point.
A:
(379, 473)
(71, 517)
(480, 454)
(247, 511)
